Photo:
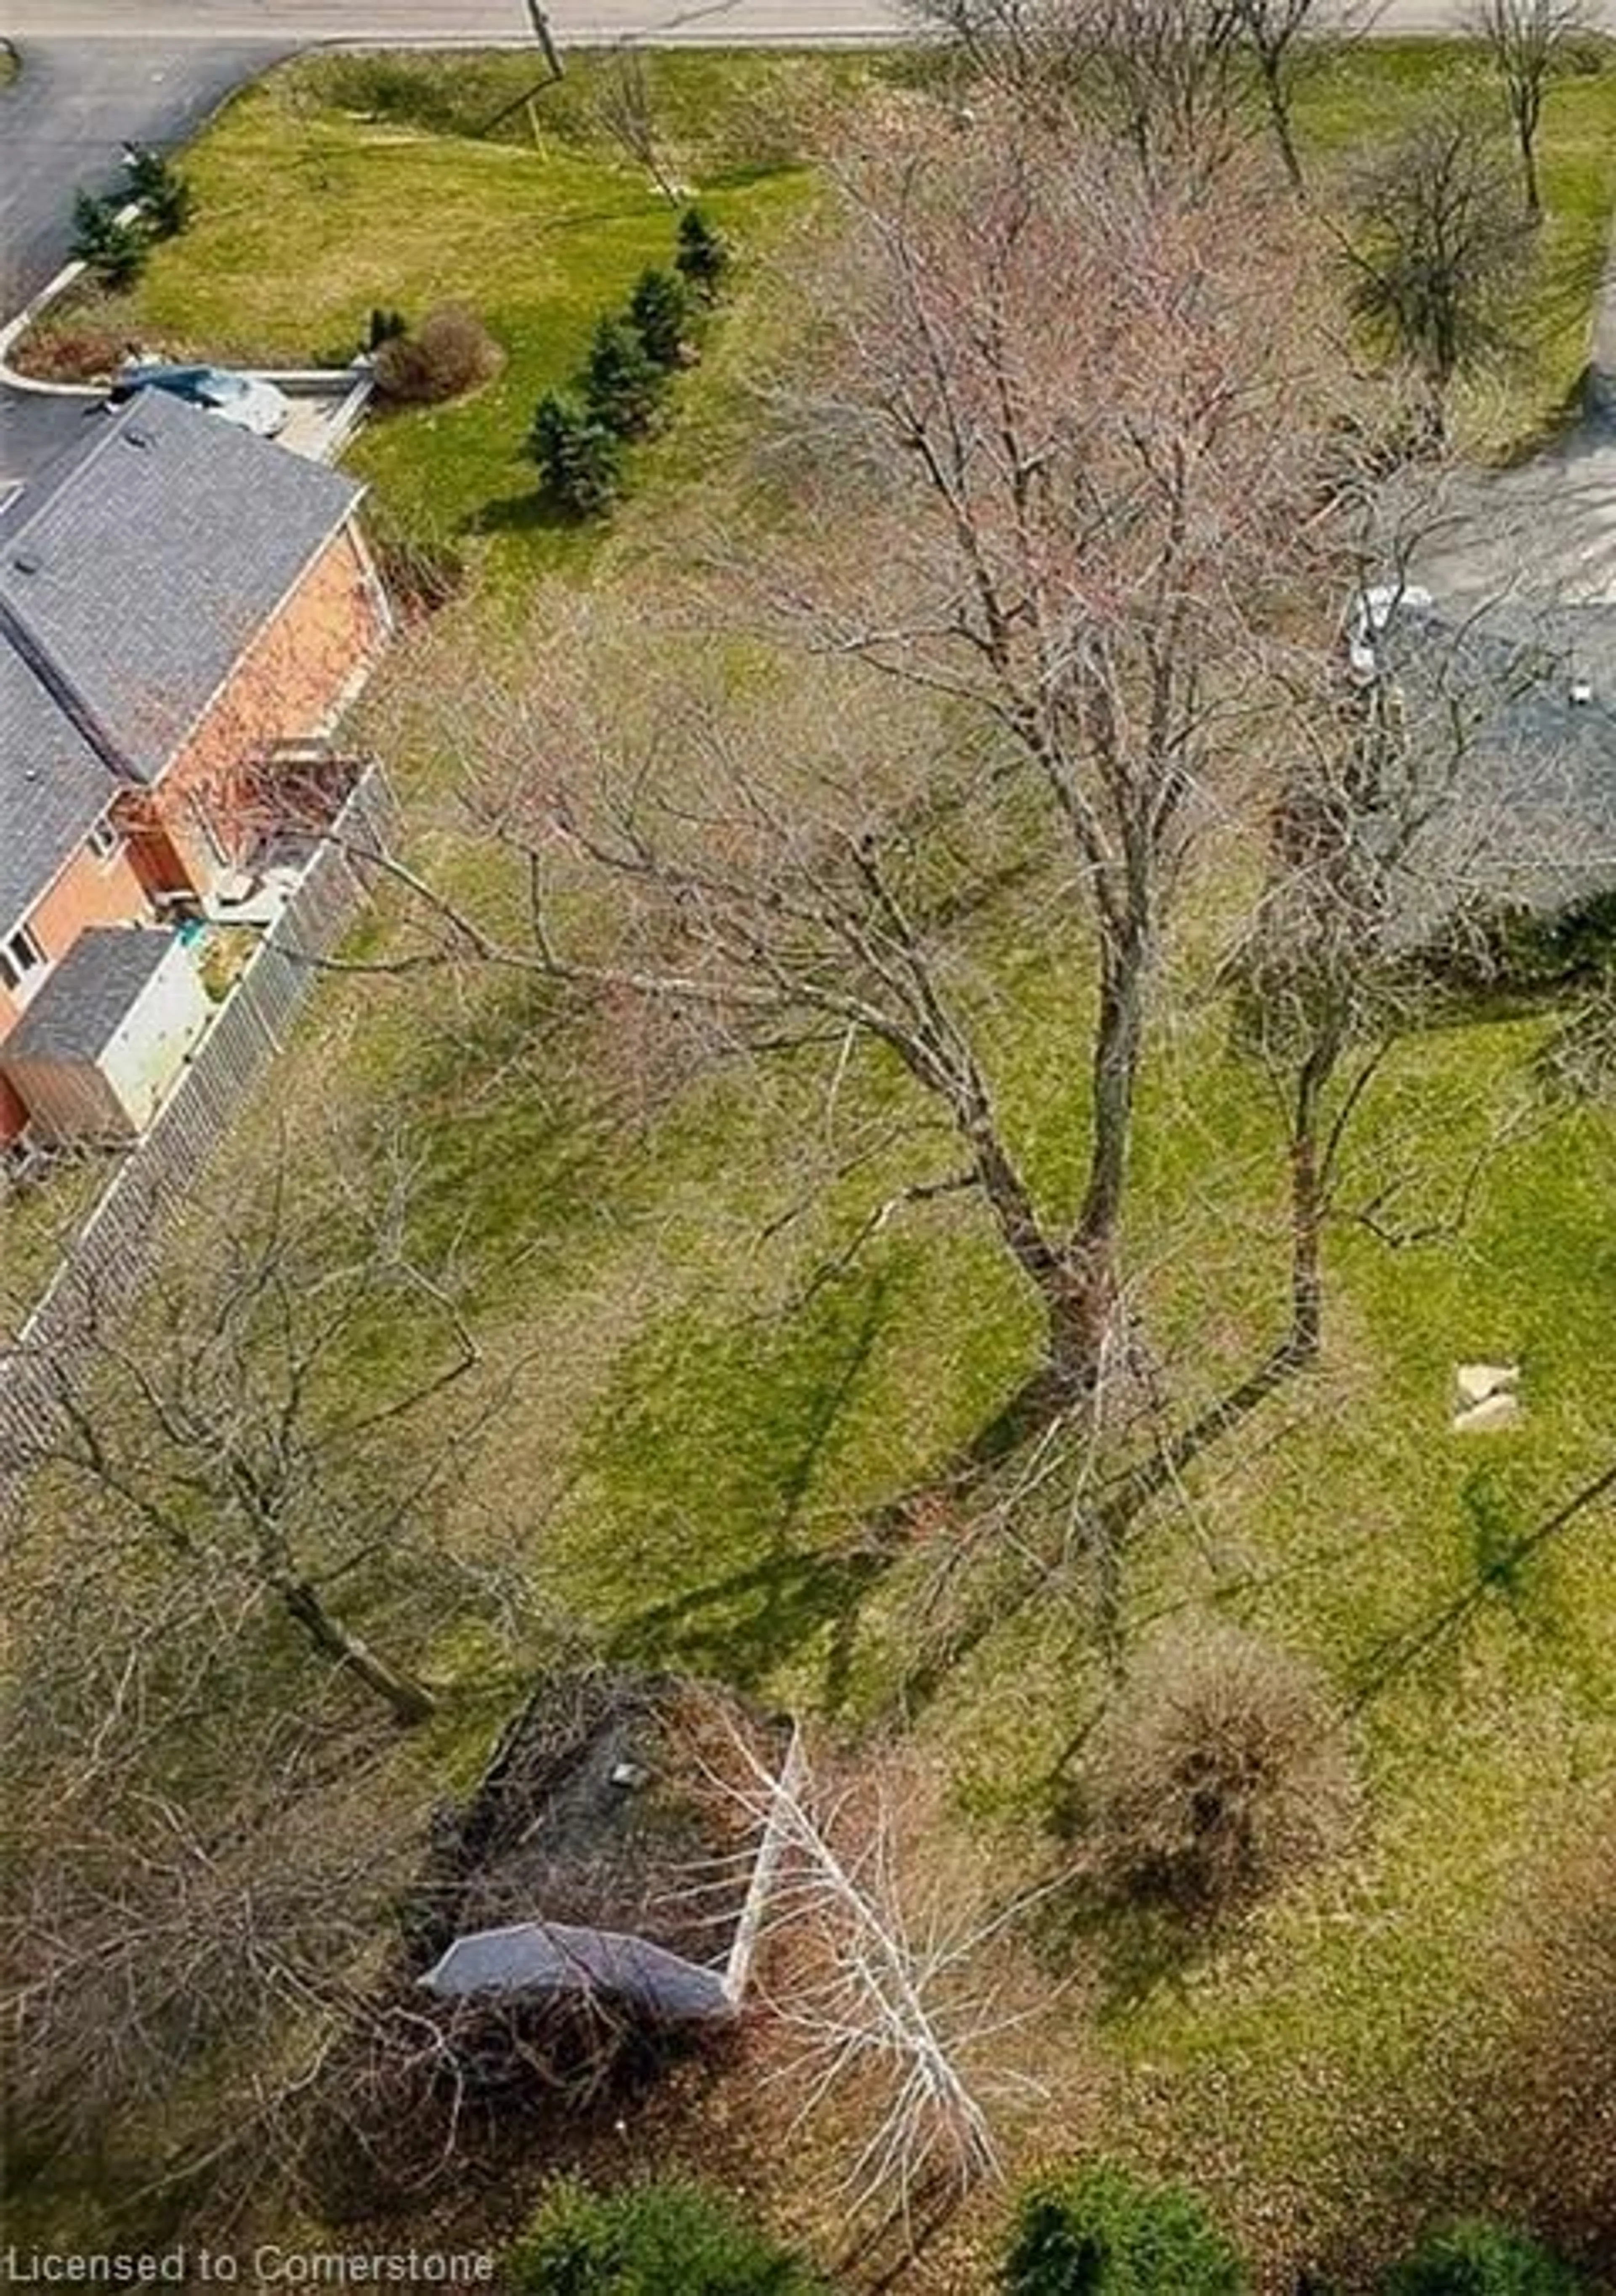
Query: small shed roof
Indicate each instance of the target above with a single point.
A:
(81, 1006)
(546, 1959)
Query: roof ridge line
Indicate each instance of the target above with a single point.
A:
(37, 657)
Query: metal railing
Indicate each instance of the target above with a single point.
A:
(120, 1242)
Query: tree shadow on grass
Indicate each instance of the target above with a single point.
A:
(743, 1626)
(1133, 1943)
(528, 513)
(513, 1140)
(722, 1441)
(745, 176)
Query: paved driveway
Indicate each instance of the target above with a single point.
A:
(1542, 537)
(1540, 544)
(34, 431)
(63, 122)
(65, 119)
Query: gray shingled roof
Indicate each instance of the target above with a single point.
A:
(53, 786)
(82, 1004)
(1528, 822)
(133, 574)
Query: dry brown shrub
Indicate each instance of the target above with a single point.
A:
(1221, 1770)
(422, 568)
(75, 351)
(1550, 2096)
(448, 354)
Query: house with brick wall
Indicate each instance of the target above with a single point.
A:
(185, 611)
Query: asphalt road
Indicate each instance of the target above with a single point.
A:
(436, 21)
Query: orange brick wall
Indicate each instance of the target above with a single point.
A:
(88, 892)
(284, 687)
(289, 681)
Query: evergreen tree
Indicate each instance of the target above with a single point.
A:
(622, 384)
(1476, 2258)
(703, 257)
(577, 457)
(1102, 2233)
(658, 308)
(113, 252)
(164, 193)
(667, 2238)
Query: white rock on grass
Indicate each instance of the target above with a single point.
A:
(1477, 1381)
(1500, 1410)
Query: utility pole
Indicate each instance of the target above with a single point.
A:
(545, 39)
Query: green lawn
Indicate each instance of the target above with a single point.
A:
(1363, 98)
(691, 1456)
(311, 212)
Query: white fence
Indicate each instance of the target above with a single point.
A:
(120, 1242)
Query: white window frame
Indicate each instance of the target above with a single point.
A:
(24, 962)
(105, 840)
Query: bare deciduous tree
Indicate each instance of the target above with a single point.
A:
(236, 1446)
(892, 1992)
(1009, 44)
(1083, 425)
(1529, 41)
(1165, 78)
(1168, 78)
(1396, 845)
(1441, 255)
(1282, 38)
(1090, 525)
(625, 107)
